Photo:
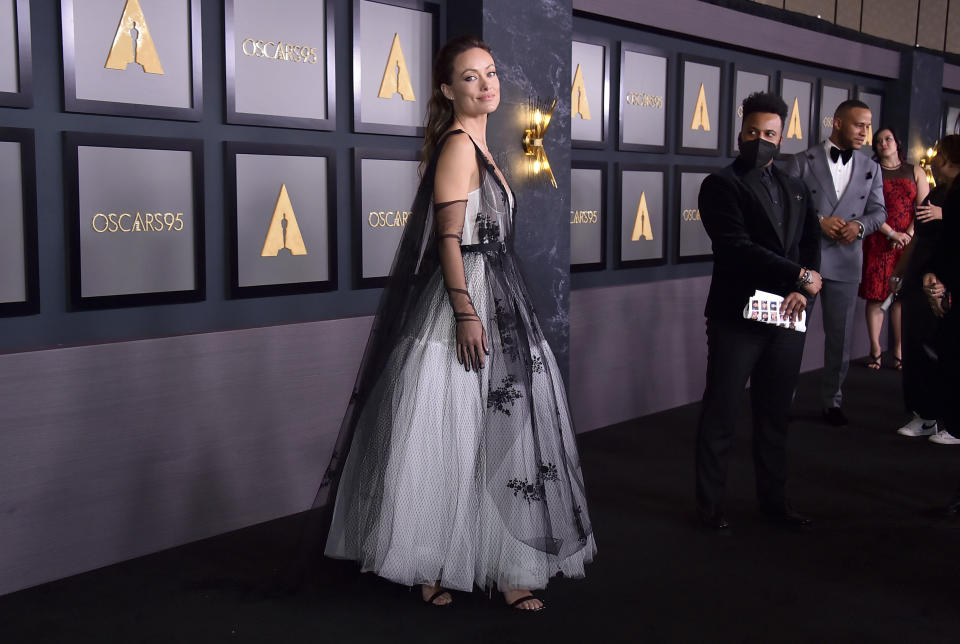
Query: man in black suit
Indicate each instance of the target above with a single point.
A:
(765, 237)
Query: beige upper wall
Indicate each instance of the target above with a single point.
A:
(896, 20)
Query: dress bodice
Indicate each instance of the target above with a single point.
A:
(489, 213)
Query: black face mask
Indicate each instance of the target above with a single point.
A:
(757, 152)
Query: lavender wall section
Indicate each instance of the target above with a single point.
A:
(112, 451)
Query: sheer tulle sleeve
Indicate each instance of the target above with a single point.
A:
(449, 218)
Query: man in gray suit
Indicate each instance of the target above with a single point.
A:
(847, 190)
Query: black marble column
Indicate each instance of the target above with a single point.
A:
(530, 40)
(922, 75)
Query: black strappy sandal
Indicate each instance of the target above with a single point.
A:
(515, 605)
(873, 362)
(433, 599)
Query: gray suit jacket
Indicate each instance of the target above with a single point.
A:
(862, 201)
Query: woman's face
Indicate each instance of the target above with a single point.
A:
(474, 88)
(886, 144)
(943, 170)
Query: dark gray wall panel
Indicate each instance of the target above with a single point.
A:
(703, 20)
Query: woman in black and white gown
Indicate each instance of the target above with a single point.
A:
(457, 464)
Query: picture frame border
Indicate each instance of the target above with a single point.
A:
(602, 166)
(823, 82)
(814, 107)
(369, 127)
(722, 116)
(233, 117)
(607, 44)
(619, 262)
(28, 181)
(356, 225)
(679, 171)
(24, 96)
(626, 46)
(72, 140)
(113, 108)
(773, 81)
(231, 149)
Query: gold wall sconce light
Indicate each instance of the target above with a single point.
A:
(925, 162)
(538, 120)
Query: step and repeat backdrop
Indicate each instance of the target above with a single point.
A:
(652, 116)
(298, 125)
(251, 162)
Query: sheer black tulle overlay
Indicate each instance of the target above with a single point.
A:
(469, 477)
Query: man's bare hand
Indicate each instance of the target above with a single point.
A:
(831, 226)
(934, 289)
(793, 305)
(849, 232)
(929, 212)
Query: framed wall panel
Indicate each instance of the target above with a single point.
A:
(280, 59)
(133, 58)
(281, 219)
(134, 220)
(641, 237)
(19, 272)
(832, 93)
(644, 82)
(384, 185)
(745, 81)
(951, 117)
(590, 91)
(394, 42)
(693, 243)
(701, 83)
(588, 215)
(16, 65)
(874, 99)
(797, 92)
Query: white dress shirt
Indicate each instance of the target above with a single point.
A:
(839, 170)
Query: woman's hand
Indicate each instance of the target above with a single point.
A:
(899, 240)
(934, 290)
(471, 344)
(929, 212)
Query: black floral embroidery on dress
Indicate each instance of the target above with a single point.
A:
(536, 364)
(578, 518)
(535, 491)
(504, 396)
(488, 230)
(506, 323)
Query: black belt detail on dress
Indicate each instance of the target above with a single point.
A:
(489, 247)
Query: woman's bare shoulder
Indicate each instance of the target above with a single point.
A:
(458, 151)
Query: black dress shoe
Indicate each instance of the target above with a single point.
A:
(787, 517)
(951, 511)
(713, 522)
(835, 416)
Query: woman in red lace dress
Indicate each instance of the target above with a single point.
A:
(904, 188)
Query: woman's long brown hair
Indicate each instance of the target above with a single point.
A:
(949, 147)
(439, 107)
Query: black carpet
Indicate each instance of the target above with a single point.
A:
(874, 569)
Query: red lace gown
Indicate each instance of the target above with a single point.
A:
(879, 258)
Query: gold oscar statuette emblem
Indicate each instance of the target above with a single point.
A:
(794, 130)
(133, 42)
(396, 78)
(578, 96)
(641, 225)
(701, 117)
(869, 140)
(284, 233)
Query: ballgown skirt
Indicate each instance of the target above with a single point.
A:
(469, 478)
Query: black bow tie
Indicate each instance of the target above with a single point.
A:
(837, 153)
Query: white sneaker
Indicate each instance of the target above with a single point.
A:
(943, 437)
(918, 427)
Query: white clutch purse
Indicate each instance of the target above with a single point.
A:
(765, 308)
